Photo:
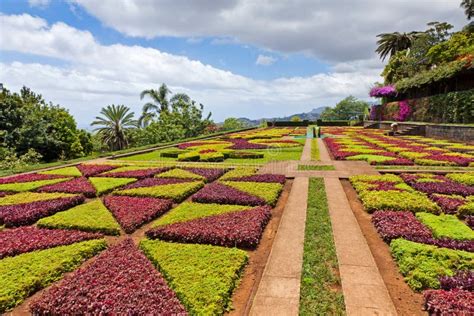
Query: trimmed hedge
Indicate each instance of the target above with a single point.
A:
(446, 226)
(180, 174)
(223, 194)
(177, 191)
(239, 172)
(25, 274)
(202, 276)
(398, 201)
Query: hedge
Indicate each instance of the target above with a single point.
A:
(446, 226)
(398, 201)
(180, 174)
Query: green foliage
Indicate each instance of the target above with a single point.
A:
(466, 209)
(316, 167)
(369, 178)
(239, 172)
(314, 150)
(232, 123)
(370, 158)
(459, 44)
(397, 201)
(465, 178)
(28, 197)
(27, 273)
(295, 118)
(105, 185)
(422, 264)
(180, 174)
(432, 162)
(345, 109)
(92, 216)
(269, 192)
(202, 276)
(319, 275)
(9, 160)
(189, 156)
(211, 157)
(188, 211)
(447, 226)
(178, 191)
(29, 186)
(66, 171)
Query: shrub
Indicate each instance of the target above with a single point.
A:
(372, 178)
(120, 281)
(177, 192)
(223, 194)
(267, 191)
(28, 178)
(171, 153)
(202, 276)
(463, 280)
(132, 212)
(464, 178)
(77, 185)
(211, 157)
(28, 213)
(454, 302)
(29, 186)
(447, 226)
(189, 156)
(442, 187)
(236, 229)
(180, 174)
(466, 209)
(398, 201)
(394, 224)
(245, 155)
(25, 239)
(91, 170)
(133, 172)
(28, 197)
(423, 264)
(92, 216)
(371, 159)
(27, 273)
(448, 203)
(66, 171)
(105, 185)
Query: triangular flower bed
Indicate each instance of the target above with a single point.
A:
(266, 191)
(25, 239)
(92, 216)
(177, 192)
(236, 229)
(180, 174)
(66, 171)
(28, 178)
(223, 194)
(28, 213)
(132, 212)
(92, 170)
(29, 186)
(150, 182)
(210, 174)
(121, 281)
(77, 185)
(133, 172)
(105, 185)
(202, 276)
(270, 178)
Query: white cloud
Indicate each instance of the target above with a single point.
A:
(39, 3)
(95, 75)
(264, 60)
(338, 30)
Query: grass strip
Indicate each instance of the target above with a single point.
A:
(314, 149)
(316, 167)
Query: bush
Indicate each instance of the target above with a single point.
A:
(245, 155)
(211, 157)
(393, 224)
(27, 273)
(171, 153)
(202, 276)
(454, 302)
(180, 174)
(398, 201)
(177, 192)
(92, 216)
(446, 226)
(190, 156)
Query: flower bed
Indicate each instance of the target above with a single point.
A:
(180, 174)
(461, 280)
(392, 225)
(106, 185)
(27, 273)
(133, 172)
(132, 212)
(77, 185)
(202, 276)
(29, 197)
(177, 192)
(150, 182)
(448, 203)
(223, 194)
(210, 174)
(236, 229)
(66, 171)
(25, 239)
(446, 226)
(29, 186)
(269, 192)
(92, 170)
(120, 281)
(455, 302)
(28, 178)
(270, 178)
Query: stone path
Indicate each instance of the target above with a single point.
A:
(306, 154)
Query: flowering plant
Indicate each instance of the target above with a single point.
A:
(404, 111)
(383, 91)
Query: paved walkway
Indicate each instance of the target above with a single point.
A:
(306, 154)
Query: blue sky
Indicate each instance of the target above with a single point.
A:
(238, 57)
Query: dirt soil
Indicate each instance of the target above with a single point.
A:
(406, 301)
(246, 290)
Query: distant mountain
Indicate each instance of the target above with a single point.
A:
(312, 115)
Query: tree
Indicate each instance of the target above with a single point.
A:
(115, 122)
(295, 118)
(231, 123)
(160, 103)
(468, 6)
(346, 109)
(390, 43)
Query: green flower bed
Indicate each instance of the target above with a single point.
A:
(465, 178)
(446, 226)
(371, 158)
(105, 185)
(177, 192)
(239, 172)
(431, 162)
(22, 275)
(422, 264)
(66, 171)
(29, 186)
(267, 191)
(466, 209)
(385, 178)
(202, 276)
(398, 201)
(180, 174)
(29, 197)
(188, 211)
(92, 216)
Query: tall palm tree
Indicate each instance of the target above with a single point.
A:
(159, 103)
(116, 120)
(390, 43)
(468, 6)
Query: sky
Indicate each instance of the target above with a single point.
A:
(240, 58)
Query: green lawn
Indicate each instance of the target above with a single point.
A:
(318, 279)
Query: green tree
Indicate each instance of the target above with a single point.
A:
(468, 6)
(295, 118)
(346, 109)
(391, 43)
(232, 123)
(160, 103)
(115, 122)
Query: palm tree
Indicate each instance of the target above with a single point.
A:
(390, 43)
(468, 6)
(116, 120)
(159, 103)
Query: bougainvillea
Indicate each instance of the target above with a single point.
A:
(132, 212)
(121, 281)
(454, 302)
(28, 213)
(77, 185)
(463, 280)
(223, 194)
(26, 239)
(383, 91)
(92, 170)
(236, 229)
(404, 111)
(392, 224)
(28, 178)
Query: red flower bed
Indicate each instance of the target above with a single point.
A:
(454, 302)
(210, 174)
(442, 185)
(458, 160)
(448, 204)
(149, 182)
(28, 178)
(92, 170)
(237, 229)
(395, 162)
(77, 185)
(463, 280)
(223, 194)
(391, 225)
(470, 221)
(239, 143)
(2, 194)
(30, 238)
(139, 174)
(194, 144)
(273, 178)
(28, 213)
(121, 281)
(132, 212)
